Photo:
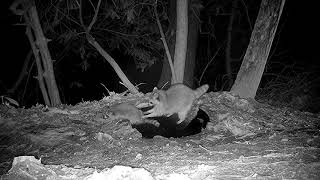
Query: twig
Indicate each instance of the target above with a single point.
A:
(95, 16)
(210, 62)
(87, 29)
(247, 14)
(80, 17)
(164, 84)
(106, 88)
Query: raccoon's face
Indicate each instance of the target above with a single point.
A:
(155, 98)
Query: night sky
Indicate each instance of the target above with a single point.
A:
(297, 42)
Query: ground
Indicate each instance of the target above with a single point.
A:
(243, 139)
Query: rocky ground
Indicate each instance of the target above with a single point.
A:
(234, 139)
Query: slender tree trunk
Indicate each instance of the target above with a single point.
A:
(41, 43)
(256, 56)
(37, 58)
(39, 46)
(165, 76)
(193, 34)
(186, 40)
(180, 51)
(228, 53)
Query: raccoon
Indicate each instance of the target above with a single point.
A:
(130, 112)
(178, 99)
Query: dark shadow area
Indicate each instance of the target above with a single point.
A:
(169, 128)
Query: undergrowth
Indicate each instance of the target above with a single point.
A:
(292, 86)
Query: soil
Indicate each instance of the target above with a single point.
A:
(236, 139)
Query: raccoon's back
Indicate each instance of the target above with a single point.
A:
(180, 96)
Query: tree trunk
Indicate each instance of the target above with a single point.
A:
(256, 56)
(192, 41)
(180, 51)
(165, 76)
(37, 58)
(41, 42)
(228, 58)
(40, 49)
(193, 34)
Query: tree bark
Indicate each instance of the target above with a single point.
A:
(255, 59)
(192, 40)
(165, 76)
(39, 46)
(41, 43)
(228, 58)
(181, 40)
(37, 58)
(193, 34)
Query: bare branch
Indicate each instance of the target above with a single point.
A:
(95, 16)
(163, 39)
(80, 16)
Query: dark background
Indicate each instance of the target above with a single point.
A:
(295, 44)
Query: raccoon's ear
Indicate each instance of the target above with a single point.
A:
(155, 90)
(155, 94)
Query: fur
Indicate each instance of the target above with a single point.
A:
(177, 99)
